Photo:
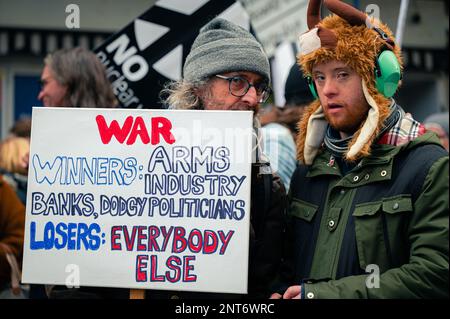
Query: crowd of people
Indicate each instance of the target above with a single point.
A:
(346, 178)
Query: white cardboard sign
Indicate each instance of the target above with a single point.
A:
(147, 199)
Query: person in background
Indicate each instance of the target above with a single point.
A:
(12, 224)
(279, 146)
(22, 127)
(279, 125)
(369, 204)
(14, 153)
(438, 123)
(75, 78)
(227, 69)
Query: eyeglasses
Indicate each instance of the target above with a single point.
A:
(239, 86)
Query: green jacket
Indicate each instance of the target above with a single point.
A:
(380, 231)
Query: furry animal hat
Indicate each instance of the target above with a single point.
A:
(349, 36)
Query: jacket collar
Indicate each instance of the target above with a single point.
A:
(378, 165)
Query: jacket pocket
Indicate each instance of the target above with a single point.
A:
(380, 232)
(303, 210)
(304, 219)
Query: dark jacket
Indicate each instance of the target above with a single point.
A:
(17, 182)
(267, 222)
(388, 216)
(268, 208)
(12, 224)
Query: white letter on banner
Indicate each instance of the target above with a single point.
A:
(139, 73)
(121, 44)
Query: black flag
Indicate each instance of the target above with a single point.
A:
(151, 50)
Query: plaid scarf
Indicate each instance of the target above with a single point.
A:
(404, 130)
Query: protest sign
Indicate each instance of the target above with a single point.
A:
(148, 199)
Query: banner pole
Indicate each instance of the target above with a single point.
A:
(137, 294)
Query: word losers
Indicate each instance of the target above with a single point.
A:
(132, 128)
(68, 236)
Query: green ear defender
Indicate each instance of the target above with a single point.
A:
(387, 73)
(312, 87)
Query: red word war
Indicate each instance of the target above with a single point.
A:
(132, 128)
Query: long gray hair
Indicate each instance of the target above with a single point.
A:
(185, 95)
(84, 76)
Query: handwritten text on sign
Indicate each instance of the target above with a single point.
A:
(139, 199)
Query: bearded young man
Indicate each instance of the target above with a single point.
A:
(369, 205)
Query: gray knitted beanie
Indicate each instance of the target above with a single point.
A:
(222, 46)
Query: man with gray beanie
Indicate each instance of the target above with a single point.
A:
(227, 69)
(223, 56)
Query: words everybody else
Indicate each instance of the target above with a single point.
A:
(133, 127)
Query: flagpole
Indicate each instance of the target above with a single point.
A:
(401, 22)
